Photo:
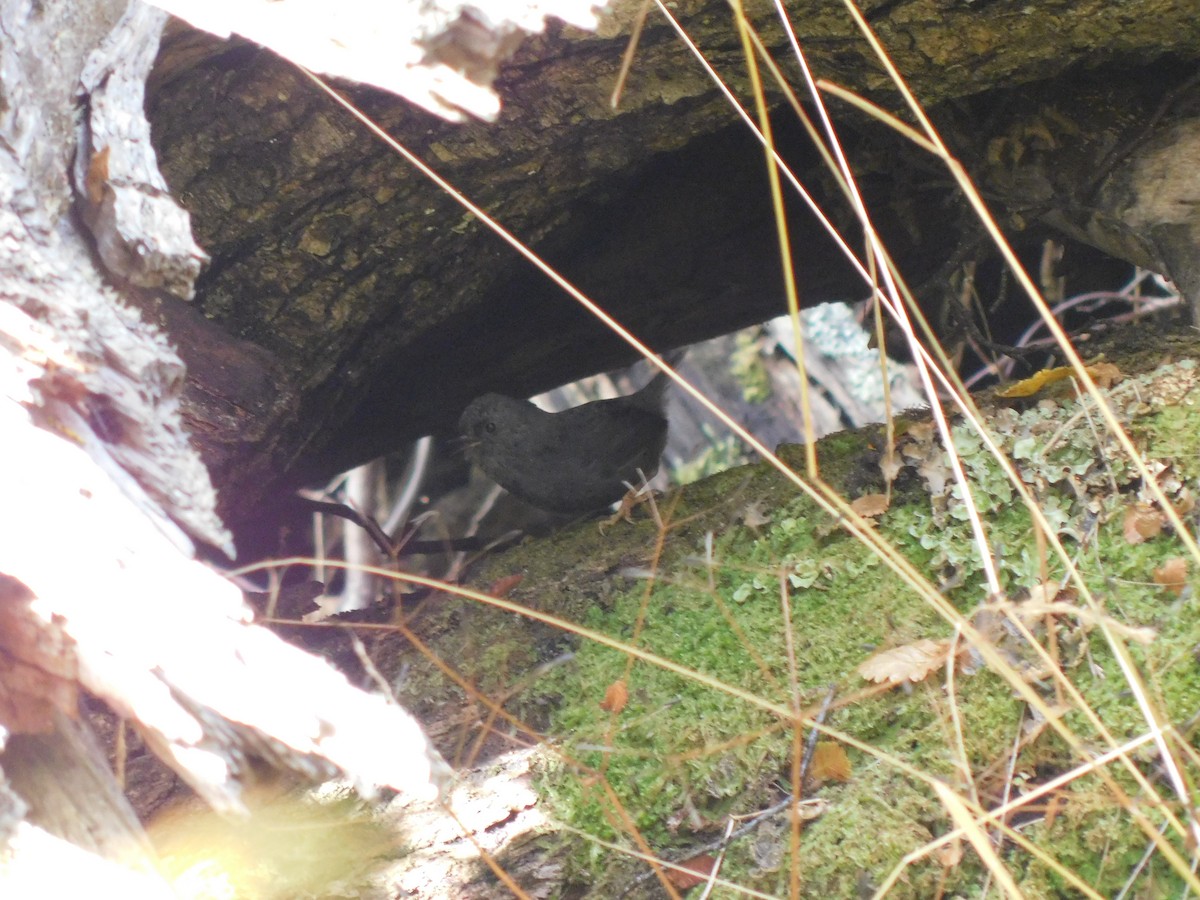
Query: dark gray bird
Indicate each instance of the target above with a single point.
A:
(575, 461)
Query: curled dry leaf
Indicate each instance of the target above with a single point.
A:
(1184, 502)
(1030, 612)
(1105, 374)
(870, 505)
(326, 607)
(812, 808)
(830, 762)
(1027, 387)
(615, 697)
(1142, 522)
(912, 662)
(1043, 592)
(1172, 575)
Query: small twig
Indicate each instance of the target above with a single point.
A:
(712, 875)
(381, 540)
(367, 523)
(811, 746)
(1010, 775)
(1137, 870)
(369, 667)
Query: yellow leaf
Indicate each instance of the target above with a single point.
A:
(1029, 386)
(1104, 374)
(830, 762)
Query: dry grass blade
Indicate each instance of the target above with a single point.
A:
(914, 661)
(979, 840)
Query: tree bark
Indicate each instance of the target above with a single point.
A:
(359, 307)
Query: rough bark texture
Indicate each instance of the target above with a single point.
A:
(72, 794)
(104, 490)
(441, 56)
(351, 305)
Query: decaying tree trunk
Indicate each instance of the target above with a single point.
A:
(105, 494)
(351, 305)
(346, 305)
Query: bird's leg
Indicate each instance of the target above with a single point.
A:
(633, 498)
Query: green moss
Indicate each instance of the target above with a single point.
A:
(721, 454)
(682, 756)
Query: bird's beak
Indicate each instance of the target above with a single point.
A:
(465, 445)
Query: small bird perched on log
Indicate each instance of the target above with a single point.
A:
(575, 461)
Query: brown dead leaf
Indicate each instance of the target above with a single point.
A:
(1184, 503)
(912, 662)
(950, 855)
(699, 869)
(615, 697)
(1172, 575)
(1105, 374)
(870, 505)
(1142, 522)
(501, 587)
(1068, 594)
(830, 762)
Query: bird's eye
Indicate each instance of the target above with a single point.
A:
(490, 427)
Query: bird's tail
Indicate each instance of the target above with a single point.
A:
(654, 389)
